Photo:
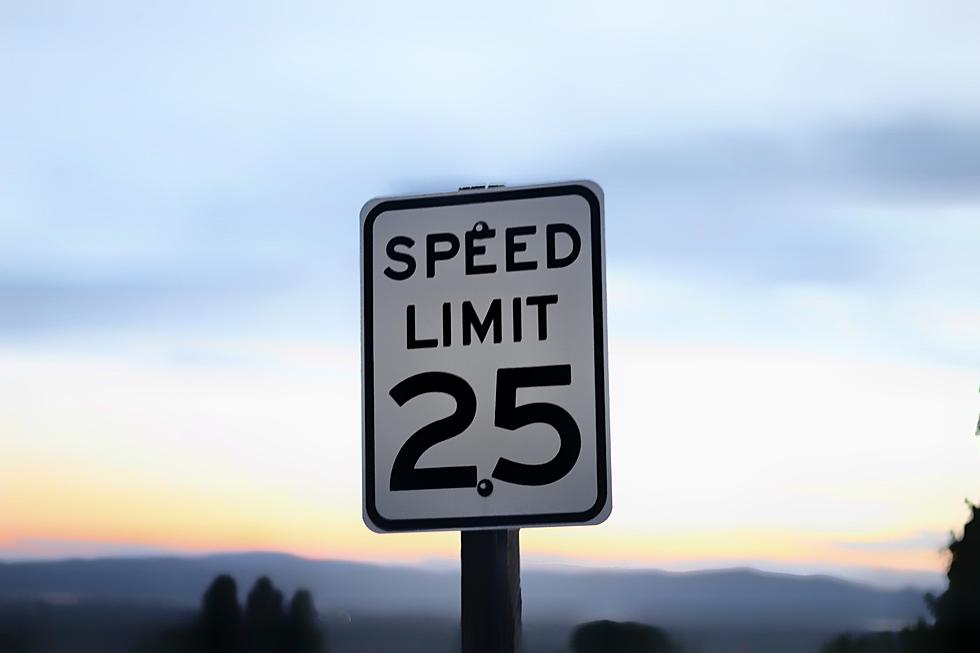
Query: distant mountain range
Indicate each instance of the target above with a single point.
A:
(736, 598)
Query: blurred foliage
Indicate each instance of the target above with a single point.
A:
(220, 623)
(16, 641)
(910, 640)
(956, 611)
(265, 619)
(266, 627)
(620, 637)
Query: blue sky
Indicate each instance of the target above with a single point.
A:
(179, 185)
(162, 159)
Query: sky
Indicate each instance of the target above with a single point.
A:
(792, 222)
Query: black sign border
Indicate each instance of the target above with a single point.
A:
(367, 344)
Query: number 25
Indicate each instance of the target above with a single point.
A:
(507, 415)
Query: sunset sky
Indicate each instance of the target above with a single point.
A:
(793, 247)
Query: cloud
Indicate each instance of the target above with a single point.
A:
(890, 157)
(922, 541)
(764, 168)
(50, 549)
(915, 160)
(718, 453)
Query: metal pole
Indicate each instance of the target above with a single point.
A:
(491, 591)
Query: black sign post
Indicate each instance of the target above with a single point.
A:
(491, 591)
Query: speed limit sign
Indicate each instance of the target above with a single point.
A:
(484, 359)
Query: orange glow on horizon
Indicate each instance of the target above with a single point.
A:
(120, 512)
(112, 456)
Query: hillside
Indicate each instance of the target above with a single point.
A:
(729, 598)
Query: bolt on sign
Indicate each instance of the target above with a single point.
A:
(484, 359)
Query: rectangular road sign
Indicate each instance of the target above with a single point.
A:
(484, 359)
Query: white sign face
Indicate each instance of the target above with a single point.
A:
(484, 359)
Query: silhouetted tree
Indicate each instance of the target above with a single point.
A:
(957, 610)
(220, 627)
(220, 622)
(919, 639)
(620, 637)
(977, 432)
(302, 633)
(265, 619)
